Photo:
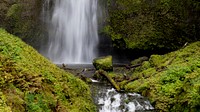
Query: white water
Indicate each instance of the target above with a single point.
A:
(116, 102)
(72, 31)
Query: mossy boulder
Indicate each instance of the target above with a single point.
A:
(104, 63)
(170, 81)
(31, 83)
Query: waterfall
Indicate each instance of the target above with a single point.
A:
(72, 31)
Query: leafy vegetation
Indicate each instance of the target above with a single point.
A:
(31, 83)
(153, 24)
(171, 81)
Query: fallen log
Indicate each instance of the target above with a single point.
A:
(105, 74)
(131, 79)
(133, 66)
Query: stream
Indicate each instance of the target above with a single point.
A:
(108, 100)
(105, 97)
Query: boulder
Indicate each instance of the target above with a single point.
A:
(104, 63)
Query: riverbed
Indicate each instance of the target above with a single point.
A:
(105, 97)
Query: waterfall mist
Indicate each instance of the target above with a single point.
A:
(72, 31)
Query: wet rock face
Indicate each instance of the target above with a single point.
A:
(30, 9)
(22, 18)
(104, 63)
(4, 5)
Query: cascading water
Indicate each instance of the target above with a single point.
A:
(73, 31)
(108, 99)
(116, 102)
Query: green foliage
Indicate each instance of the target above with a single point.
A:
(32, 83)
(150, 25)
(35, 102)
(170, 81)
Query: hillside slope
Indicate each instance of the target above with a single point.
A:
(29, 82)
(170, 81)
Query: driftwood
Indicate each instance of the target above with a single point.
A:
(170, 62)
(104, 74)
(65, 68)
(133, 66)
(119, 65)
(127, 66)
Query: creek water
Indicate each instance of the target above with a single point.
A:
(106, 98)
(109, 100)
(72, 30)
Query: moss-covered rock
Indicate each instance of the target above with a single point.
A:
(104, 63)
(171, 81)
(29, 82)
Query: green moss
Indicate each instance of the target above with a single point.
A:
(139, 60)
(171, 81)
(32, 83)
(155, 60)
(3, 106)
(152, 25)
(146, 65)
(104, 63)
(14, 10)
(109, 30)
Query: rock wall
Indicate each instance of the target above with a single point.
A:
(22, 18)
(152, 25)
